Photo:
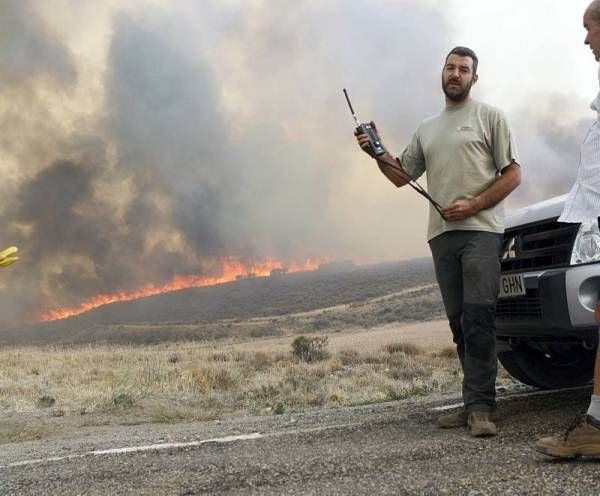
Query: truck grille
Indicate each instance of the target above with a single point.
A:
(519, 308)
(542, 245)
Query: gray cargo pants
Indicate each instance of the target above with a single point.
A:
(467, 268)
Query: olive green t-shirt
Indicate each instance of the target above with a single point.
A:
(463, 150)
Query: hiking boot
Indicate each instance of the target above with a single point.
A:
(481, 424)
(460, 418)
(452, 420)
(581, 439)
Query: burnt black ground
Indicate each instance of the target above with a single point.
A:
(392, 448)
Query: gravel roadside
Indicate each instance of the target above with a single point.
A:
(391, 448)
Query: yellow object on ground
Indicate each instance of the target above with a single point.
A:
(6, 256)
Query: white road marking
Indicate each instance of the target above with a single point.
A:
(156, 447)
(443, 408)
(256, 435)
(135, 449)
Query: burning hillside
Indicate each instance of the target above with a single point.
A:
(232, 269)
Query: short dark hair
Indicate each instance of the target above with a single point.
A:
(465, 52)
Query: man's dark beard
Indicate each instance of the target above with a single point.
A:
(458, 97)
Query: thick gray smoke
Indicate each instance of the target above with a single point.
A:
(217, 129)
(222, 132)
(549, 143)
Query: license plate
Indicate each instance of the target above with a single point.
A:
(512, 285)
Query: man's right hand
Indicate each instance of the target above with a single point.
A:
(383, 161)
(363, 140)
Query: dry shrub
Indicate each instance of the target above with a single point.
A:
(301, 378)
(227, 356)
(349, 357)
(122, 397)
(411, 372)
(266, 392)
(310, 349)
(280, 357)
(408, 349)
(319, 372)
(392, 394)
(316, 398)
(374, 358)
(45, 401)
(262, 359)
(446, 352)
(174, 358)
(209, 379)
(222, 356)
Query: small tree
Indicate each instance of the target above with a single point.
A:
(310, 349)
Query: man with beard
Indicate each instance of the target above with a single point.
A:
(583, 206)
(472, 165)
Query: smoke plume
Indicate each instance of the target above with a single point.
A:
(161, 138)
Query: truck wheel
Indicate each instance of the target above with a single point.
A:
(559, 365)
(508, 361)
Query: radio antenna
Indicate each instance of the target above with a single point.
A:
(378, 150)
(350, 105)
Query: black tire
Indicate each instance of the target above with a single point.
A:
(560, 365)
(508, 361)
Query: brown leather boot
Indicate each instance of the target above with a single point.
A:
(581, 439)
(481, 424)
(452, 420)
(459, 418)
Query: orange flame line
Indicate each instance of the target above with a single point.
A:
(232, 270)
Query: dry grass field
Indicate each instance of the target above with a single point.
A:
(197, 381)
(209, 381)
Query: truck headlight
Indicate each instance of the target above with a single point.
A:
(586, 248)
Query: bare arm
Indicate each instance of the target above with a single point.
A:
(390, 172)
(509, 179)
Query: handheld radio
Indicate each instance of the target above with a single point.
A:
(377, 150)
(365, 128)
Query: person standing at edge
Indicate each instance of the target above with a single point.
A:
(583, 205)
(472, 165)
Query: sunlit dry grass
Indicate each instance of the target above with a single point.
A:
(189, 380)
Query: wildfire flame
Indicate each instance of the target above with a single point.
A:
(232, 269)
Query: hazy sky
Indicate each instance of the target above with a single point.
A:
(147, 139)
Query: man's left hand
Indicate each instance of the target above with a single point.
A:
(461, 209)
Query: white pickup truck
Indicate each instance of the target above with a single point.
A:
(549, 287)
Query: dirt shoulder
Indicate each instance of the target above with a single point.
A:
(391, 448)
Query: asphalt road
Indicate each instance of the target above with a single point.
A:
(392, 448)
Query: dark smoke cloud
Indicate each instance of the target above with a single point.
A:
(222, 132)
(163, 115)
(36, 71)
(28, 49)
(264, 189)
